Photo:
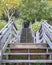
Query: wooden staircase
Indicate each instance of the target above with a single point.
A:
(26, 36)
(27, 54)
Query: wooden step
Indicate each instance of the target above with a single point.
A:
(27, 45)
(27, 53)
(26, 61)
(26, 36)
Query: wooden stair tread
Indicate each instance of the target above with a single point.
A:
(26, 61)
(27, 54)
(26, 46)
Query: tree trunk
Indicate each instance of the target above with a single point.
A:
(35, 19)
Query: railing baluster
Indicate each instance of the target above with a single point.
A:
(37, 37)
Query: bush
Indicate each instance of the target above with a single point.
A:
(18, 23)
(2, 23)
(36, 26)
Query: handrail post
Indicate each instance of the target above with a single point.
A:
(0, 58)
(0, 44)
(37, 37)
(1, 54)
(30, 26)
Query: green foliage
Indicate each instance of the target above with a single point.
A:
(2, 23)
(7, 7)
(50, 2)
(18, 23)
(31, 9)
(17, 57)
(36, 26)
(27, 10)
(38, 58)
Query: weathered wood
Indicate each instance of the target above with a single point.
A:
(37, 37)
(48, 41)
(41, 40)
(48, 25)
(26, 61)
(5, 35)
(41, 35)
(48, 33)
(44, 35)
(6, 44)
(6, 31)
(27, 53)
(14, 30)
(0, 57)
(27, 45)
(45, 48)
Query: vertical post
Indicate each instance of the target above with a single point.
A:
(47, 50)
(34, 39)
(7, 59)
(0, 40)
(26, 35)
(37, 37)
(1, 54)
(50, 57)
(29, 55)
(0, 58)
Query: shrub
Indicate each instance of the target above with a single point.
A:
(36, 26)
(2, 23)
(18, 23)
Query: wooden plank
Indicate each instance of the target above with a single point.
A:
(26, 46)
(6, 43)
(37, 37)
(41, 40)
(40, 35)
(48, 32)
(48, 41)
(27, 53)
(3, 40)
(49, 28)
(26, 61)
(30, 48)
(14, 30)
(48, 25)
(0, 57)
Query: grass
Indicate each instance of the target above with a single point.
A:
(2, 23)
(18, 57)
